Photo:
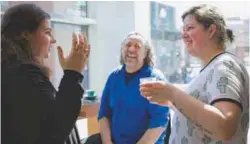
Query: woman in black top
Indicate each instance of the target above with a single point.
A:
(33, 112)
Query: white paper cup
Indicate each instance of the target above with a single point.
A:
(147, 80)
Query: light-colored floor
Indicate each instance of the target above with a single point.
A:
(82, 128)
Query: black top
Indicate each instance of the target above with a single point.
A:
(33, 112)
(129, 76)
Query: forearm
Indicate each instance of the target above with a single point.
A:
(54, 113)
(151, 135)
(105, 131)
(67, 104)
(207, 118)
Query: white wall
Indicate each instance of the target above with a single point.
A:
(113, 21)
(63, 35)
(142, 18)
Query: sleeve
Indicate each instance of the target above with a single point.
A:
(66, 106)
(48, 116)
(225, 83)
(159, 115)
(105, 110)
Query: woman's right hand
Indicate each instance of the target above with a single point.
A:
(78, 57)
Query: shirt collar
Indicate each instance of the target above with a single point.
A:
(144, 68)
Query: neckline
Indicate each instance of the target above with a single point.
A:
(212, 60)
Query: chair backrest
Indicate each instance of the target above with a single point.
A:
(73, 137)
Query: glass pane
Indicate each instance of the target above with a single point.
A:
(171, 56)
(57, 9)
(63, 35)
(4, 5)
(64, 9)
(240, 29)
(62, 32)
(46, 5)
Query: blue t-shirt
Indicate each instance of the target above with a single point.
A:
(130, 114)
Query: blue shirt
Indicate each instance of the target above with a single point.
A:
(130, 114)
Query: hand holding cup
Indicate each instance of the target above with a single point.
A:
(157, 91)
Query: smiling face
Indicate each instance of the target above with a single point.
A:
(195, 36)
(133, 53)
(41, 41)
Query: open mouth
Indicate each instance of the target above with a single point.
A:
(131, 56)
(188, 42)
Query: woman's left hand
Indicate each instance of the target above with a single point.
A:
(158, 92)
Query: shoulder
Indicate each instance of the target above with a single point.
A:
(158, 74)
(116, 71)
(114, 74)
(31, 74)
(229, 63)
(23, 69)
(229, 68)
(26, 76)
(33, 70)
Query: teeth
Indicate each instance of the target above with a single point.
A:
(132, 56)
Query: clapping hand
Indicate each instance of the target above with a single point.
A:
(78, 57)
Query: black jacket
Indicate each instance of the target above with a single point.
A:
(33, 112)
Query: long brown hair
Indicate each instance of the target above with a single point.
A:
(16, 20)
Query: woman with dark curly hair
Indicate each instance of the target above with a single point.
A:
(33, 112)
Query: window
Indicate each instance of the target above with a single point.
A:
(171, 56)
(240, 27)
(61, 11)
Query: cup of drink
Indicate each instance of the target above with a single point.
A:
(147, 80)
